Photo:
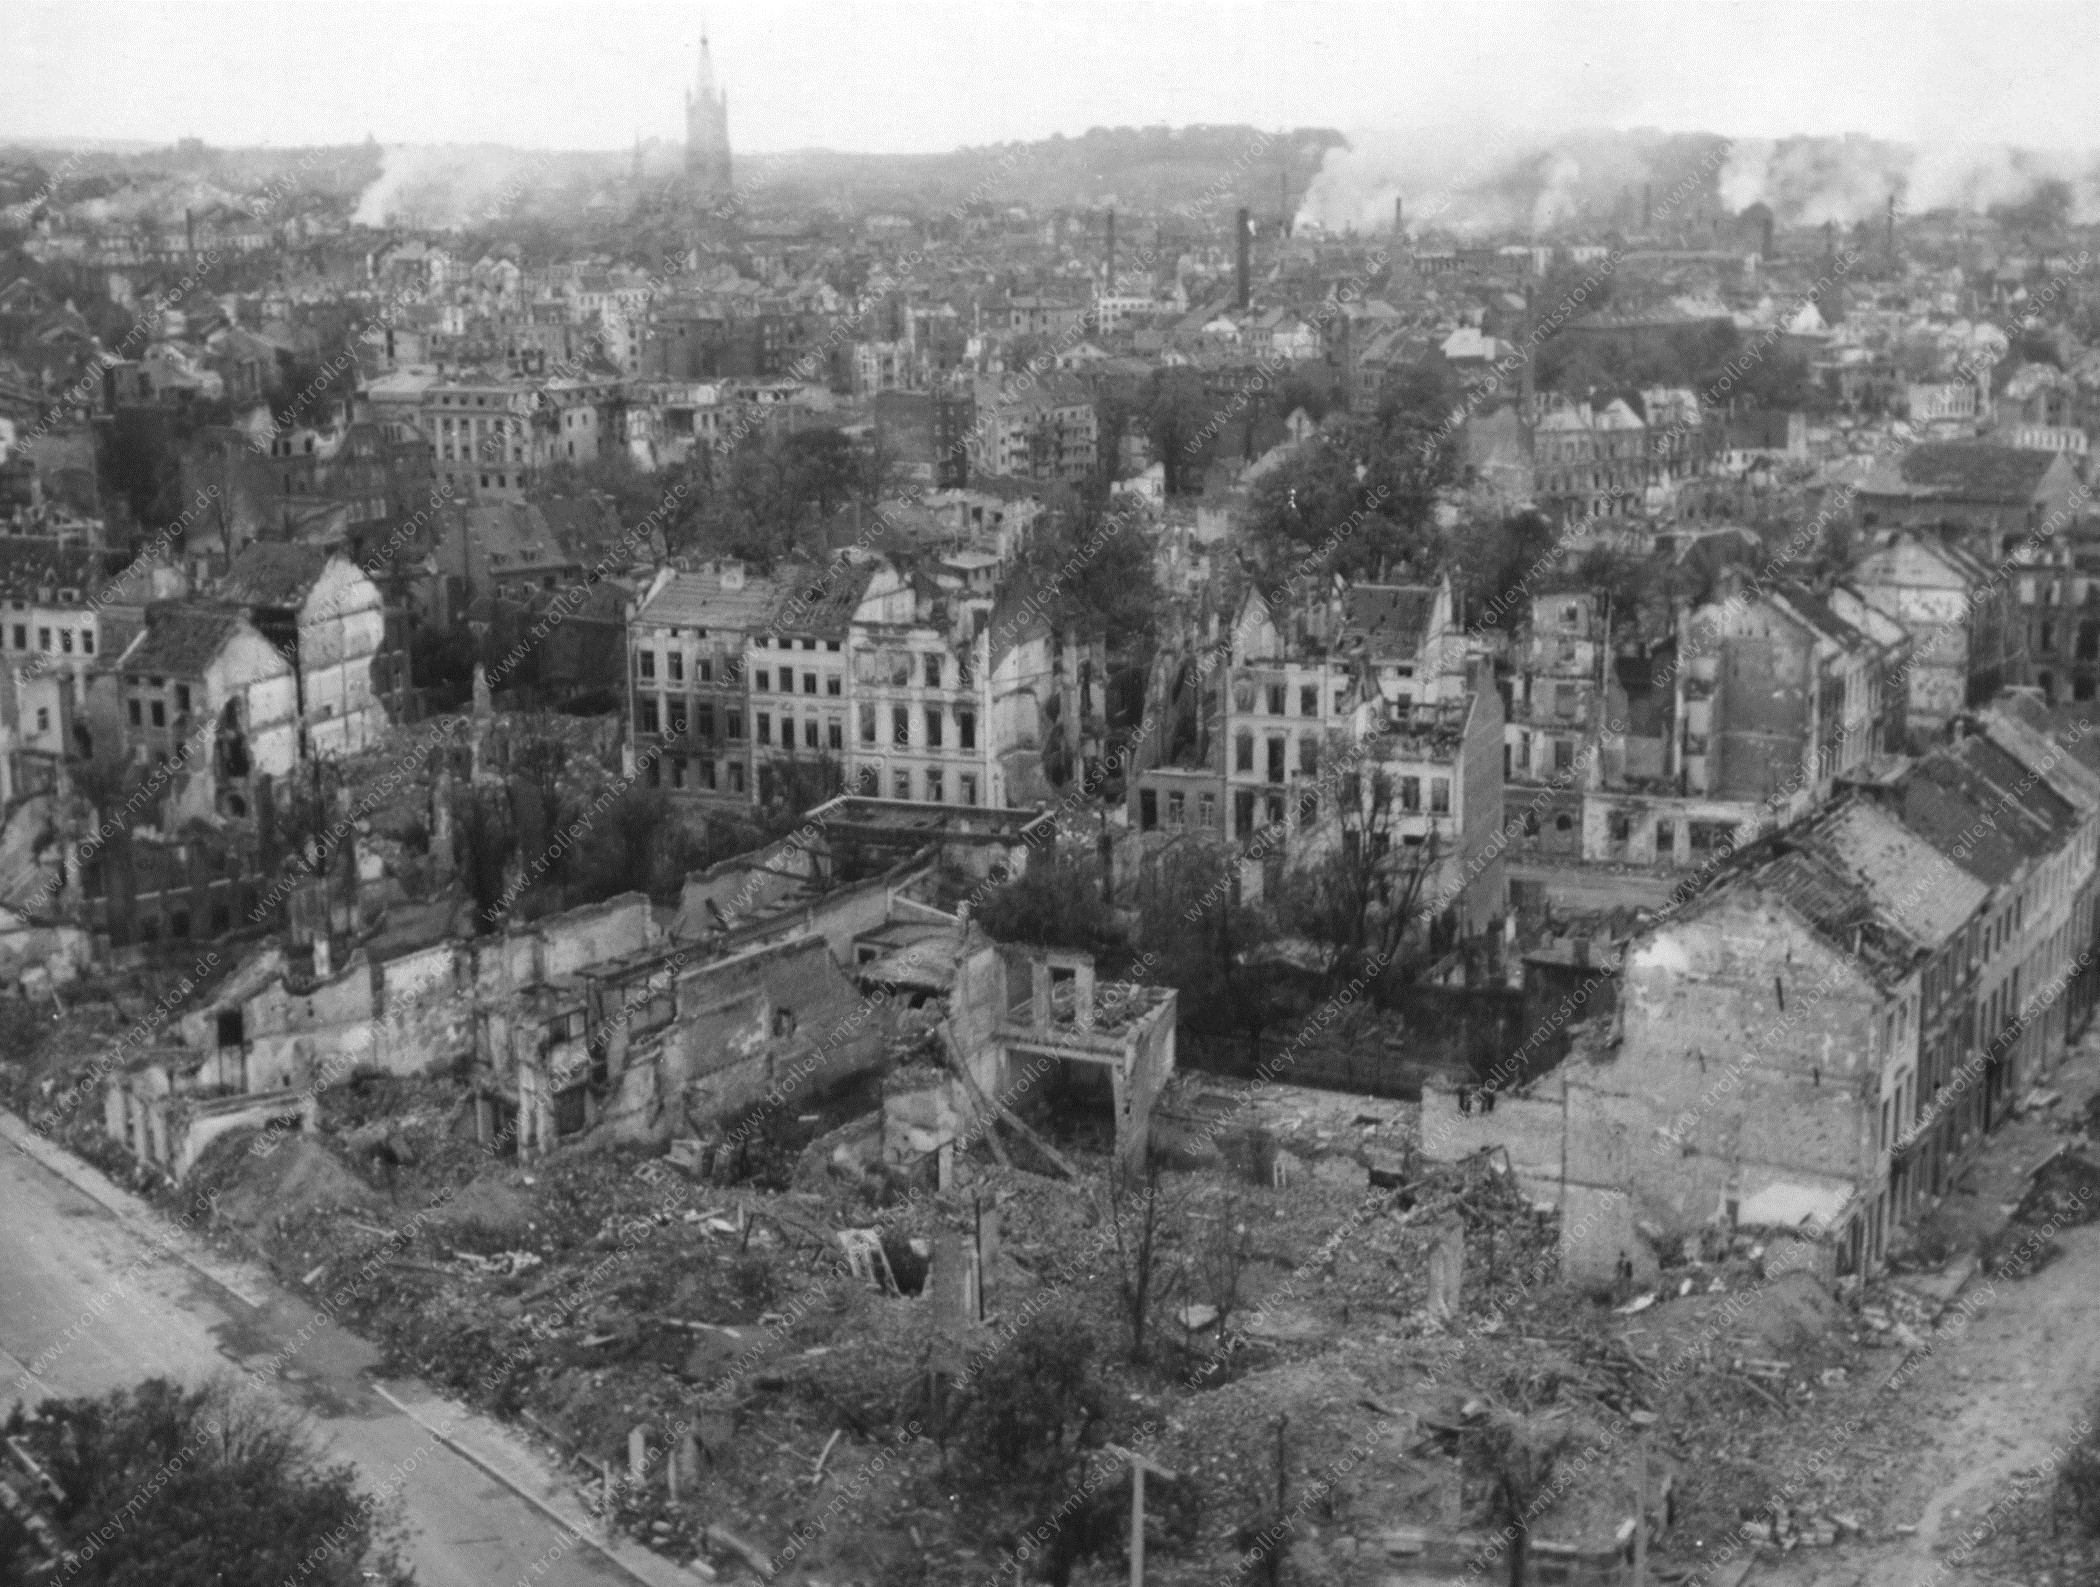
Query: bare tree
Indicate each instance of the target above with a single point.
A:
(1139, 1215)
(1361, 900)
(1264, 1538)
(1218, 1264)
(1515, 1457)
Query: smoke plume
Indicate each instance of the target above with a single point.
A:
(1475, 182)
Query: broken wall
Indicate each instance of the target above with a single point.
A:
(582, 939)
(767, 1026)
(1763, 705)
(428, 1013)
(1151, 1047)
(1529, 1128)
(310, 1036)
(1743, 1065)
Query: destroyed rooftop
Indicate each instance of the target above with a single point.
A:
(1387, 619)
(180, 641)
(898, 820)
(273, 573)
(34, 568)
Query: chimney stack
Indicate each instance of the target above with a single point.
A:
(1892, 225)
(189, 230)
(1525, 393)
(1399, 217)
(1111, 252)
(1240, 261)
(1768, 237)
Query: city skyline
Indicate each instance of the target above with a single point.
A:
(925, 78)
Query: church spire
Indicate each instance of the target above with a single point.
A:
(707, 158)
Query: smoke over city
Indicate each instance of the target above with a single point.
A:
(448, 185)
(1480, 182)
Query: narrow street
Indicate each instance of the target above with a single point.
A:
(67, 1263)
(1995, 1398)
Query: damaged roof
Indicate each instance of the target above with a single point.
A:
(34, 567)
(1841, 911)
(1983, 810)
(1973, 471)
(1900, 873)
(819, 602)
(181, 641)
(702, 599)
(273, 573)
(1388, 618)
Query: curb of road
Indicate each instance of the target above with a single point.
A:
(658, 1572)
(139, 1219)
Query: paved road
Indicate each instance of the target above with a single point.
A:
(68, 1264)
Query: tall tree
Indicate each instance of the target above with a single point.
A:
(1054, 903)
(235, 1495)
(1361, 901)
(1514, 1458)
(1179, 423)
(1202, 940)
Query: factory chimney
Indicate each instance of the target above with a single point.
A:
(189, 231)
(1240, 261)
(1526, 396)
(1399, 217)
(1111, 252)
(1892, 225)
(1767, 255)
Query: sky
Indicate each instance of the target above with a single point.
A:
(929, 75)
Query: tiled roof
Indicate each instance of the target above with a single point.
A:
(30, 564)
(1967, 801)
(1389, 618)
(1973, 471)
(699, 600)
(181, 641)
(817, 601)
(272, 573)
(1907, 882)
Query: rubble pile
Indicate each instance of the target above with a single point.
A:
(1787, 1528)
(2064, 1190)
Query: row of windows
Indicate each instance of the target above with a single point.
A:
(1278, 755)
(762, 682)
(1273, 809)
(1276, 696)
(830, 735)
(674, 668)
(701, 775)
(501, 481)
(20, 637)
(763, 642)
(896, 668)
(1177, 809)
(932, 784)
(934, 734)
(674, 718)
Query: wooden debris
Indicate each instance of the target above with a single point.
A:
(817, 1476)
(1012, 1119)
(729, 1542)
